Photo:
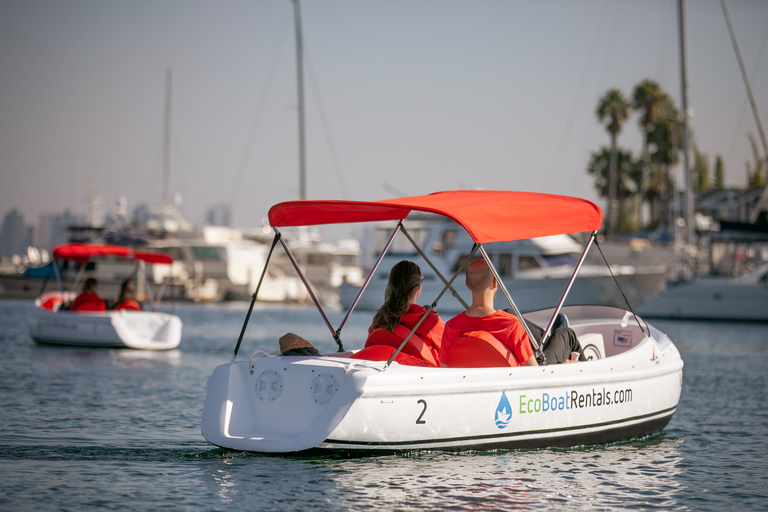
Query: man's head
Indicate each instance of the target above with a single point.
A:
(479, 276)
(90, 285)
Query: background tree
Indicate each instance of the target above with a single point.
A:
(613, 110)
(755, 178)
(664, 143)
(647, 98)
(628, 175)
(700, 170)
(719, 173)
(656, 184)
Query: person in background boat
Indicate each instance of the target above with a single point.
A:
(88, 300)
(397, 317)
(127, 298)
(506, 327)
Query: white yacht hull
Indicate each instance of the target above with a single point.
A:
(530, 294)
(144, 330)
(710, 299)
(334, 404)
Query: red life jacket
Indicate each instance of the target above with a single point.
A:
(416, 347)
(384, 352)
(128, 304)
(88, 302)
(479, 349)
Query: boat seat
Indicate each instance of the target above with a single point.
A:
(384, 352)
(592, 345)
(416, 347)
(51, 303)
(479, 349)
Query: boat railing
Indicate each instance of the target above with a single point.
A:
(448, 285)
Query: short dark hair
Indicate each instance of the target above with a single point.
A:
(90, 283)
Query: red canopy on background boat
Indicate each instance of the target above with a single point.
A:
(487, 215)
(82, 253)
(153, 257)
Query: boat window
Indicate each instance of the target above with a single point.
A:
(460, 261)
(89, 267)
(318, 259)
(505, 265)
(445, 241)
(527, 262)
(347, 260)
(173, 252)
(553, 260)
(206, 253)
(400, 245)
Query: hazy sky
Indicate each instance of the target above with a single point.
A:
(407, 95)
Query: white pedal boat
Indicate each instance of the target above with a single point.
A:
(629, 388)
(143, 330)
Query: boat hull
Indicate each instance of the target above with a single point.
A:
(530, 294)
(333, 404)
(710, 299)
(144, 330)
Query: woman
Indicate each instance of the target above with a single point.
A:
(397, 317)
(127, 298)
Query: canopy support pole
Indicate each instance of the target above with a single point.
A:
(434, 303)
(626, 301)
(58, 276)
(559, 306)
(311, 294)
(255, 294)
(370, 275)
(161, 291)
(456, 274)
(45, 281)
(434, 269)
(537, 346)
(142, 273)
(410, 334)
(79, 277)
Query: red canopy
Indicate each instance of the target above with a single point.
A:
(81, 253)
(487, 215)
(153, 257)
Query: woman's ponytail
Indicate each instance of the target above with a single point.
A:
(404, 280)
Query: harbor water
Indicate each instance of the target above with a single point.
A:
(106, 429)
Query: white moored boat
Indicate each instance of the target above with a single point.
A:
(734, 286)
(145, 330)
(535, 269)
(629, 387)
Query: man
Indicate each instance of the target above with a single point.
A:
(88, 300)
(507, 328)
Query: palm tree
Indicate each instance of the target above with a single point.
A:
(628, 180)
(755, 178)
(665, 140)
(647, 99)
(613, 109)
(700, 170)
(719, 173)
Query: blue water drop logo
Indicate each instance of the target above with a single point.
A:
(503, 411)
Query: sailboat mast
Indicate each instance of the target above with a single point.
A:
(300, 91)
(756, 113)
(167, 136)
(689, 208)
